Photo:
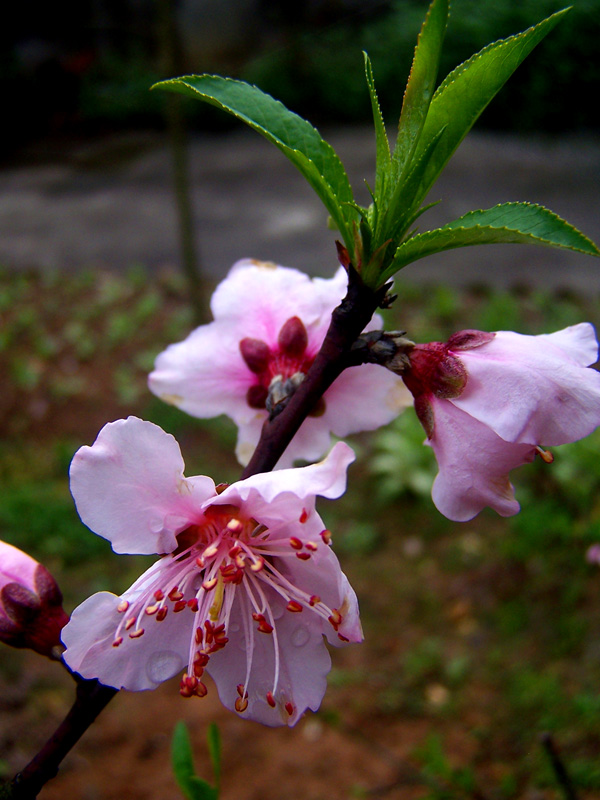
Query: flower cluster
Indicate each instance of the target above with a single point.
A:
(246, 588)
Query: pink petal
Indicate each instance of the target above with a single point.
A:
(129, 487)
(16, 567)
(364, 398)
(257, 298)
(269, 496)
(530, 390)
(137, 664)
(474, 464)
(205, 375)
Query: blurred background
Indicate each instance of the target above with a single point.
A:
(121, 207)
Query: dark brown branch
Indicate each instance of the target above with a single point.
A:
(90, 699)
(347, 322)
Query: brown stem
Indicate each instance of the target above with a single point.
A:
(90, 699)
(347, 322)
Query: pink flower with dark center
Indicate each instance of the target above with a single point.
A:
(269, 323)
(31, 612)
(490, 401)
(246, 589)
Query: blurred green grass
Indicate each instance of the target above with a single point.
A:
(490, 628)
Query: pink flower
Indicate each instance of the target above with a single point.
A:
(269, 323)
(489, 401)
(246, 590)
(31, 613)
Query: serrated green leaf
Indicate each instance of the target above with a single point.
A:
(383, 157)
(294, 136)
(421, 84)
(182, 762)
(511, 223)
(467, 90)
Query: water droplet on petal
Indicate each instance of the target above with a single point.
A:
(234, 627)
(300, 636)
(163, 664)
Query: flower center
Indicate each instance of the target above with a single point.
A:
(279, 371)
(227, 557)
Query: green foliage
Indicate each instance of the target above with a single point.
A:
(379, 240)
(294, 136)
(182, 762)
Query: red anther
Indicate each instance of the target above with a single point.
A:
(220, 487)
(227, 570)
(257, 565)
(271, 699)
(295, 543)
(198, 670)
(175, 594)
(314, 599)
(150, 610)
(326, 536)
(256, 354)
(343, 638)
(123, 606)
(190, 680)
(289, 707)
(200, 690)
(210, 551)
(159, 595)
(235, 551)
(263, 625)
(130, 623)
(303, 516)
(241, 704)
(312, 546)
(256, 616)
(117, 641)
(184, 690)
(293, 337)
(199, 635)
(335, 618)
(201, 659)
(217, 629)
(294, 606)
(545, 455)
(303, 556)
(193, 604)
(235, 526)
(209, 584)
(238, 577)
(240, 561)
(161, 613)
(136, 634)
(200, 562)
(241, 689)
(179, 606)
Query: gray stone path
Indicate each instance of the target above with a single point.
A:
(249, 200)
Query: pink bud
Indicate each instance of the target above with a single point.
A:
(31, 612)
(256, 354)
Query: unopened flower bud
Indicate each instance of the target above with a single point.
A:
(31, 612)
(293, 337)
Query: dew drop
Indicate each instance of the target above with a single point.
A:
(234, 627)
(163, 664)
(300, 636)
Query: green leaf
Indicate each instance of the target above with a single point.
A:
(513, 223)
(383, 156)
(294, 136)
(193, 787)
(214, 748)
(421, 84)
(467, 90)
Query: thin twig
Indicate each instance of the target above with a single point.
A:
(559, 767)
(90, 699)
